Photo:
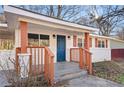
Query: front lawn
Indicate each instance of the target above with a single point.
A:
(113, 70)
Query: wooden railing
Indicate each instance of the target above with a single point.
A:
(49, 65)
(36, 60)
(83, 56)
(41, 62)
(17, 67)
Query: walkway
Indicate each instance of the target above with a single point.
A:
(89, 81)
(68, 74)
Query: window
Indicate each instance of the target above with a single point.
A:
(74, 40)
(6, 44)
(38, 40)
(101, 44)
(79, 42)
(6, 40)
(33, 39)
(44, 40)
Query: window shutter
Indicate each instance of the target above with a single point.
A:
(96, 42)
(74, 41)
(90, 42)
(106, 43)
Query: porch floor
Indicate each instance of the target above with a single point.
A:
(68, 70)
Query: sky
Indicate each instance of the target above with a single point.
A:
(1, 10)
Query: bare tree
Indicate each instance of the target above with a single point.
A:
(106, 18)
(120, 33)
(69, 13)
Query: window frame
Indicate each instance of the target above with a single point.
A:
(39, 39)
(101, 43)
(80, 44)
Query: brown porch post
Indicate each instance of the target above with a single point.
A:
(87, 46)
(24, 36)
(87, 41)
(88, 55)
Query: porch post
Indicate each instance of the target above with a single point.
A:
(24, 36)
(87, 41)
(24, 57)
(87, 46)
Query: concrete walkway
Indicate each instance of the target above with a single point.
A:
(68, 74)
(90, 81)
(3, 80)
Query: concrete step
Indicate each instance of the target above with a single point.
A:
(70, 75)
(66, 71)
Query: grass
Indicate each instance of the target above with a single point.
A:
(113, 70)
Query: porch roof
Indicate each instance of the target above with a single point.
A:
(107, 37)
(14, 15)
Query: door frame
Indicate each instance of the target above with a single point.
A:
(57, 47)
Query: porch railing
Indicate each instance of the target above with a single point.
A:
(83, 56)
(17, 67)
(41, 61)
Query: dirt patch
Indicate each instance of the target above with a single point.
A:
(113, 70)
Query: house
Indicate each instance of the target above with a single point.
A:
(42, 41)
(45, 40)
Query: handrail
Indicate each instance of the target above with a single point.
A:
(87, 50)
(84, 55)
(35, 46)
(18, 50)
(83, 49)
(88, 61)
(49, 51)
(49, 66)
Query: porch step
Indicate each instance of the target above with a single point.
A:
(70, 75)
(68, 70)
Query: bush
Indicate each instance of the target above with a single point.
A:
(15, 79)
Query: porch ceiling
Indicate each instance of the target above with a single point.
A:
(36, 27)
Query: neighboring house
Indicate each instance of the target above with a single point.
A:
(116, 43)
(117, 48)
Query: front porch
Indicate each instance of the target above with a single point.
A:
(41, 61)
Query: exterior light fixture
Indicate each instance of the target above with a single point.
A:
(54, 35)
(69, 37)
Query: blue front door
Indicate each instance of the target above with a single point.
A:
(61, 48)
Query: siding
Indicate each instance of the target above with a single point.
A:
(116, 44)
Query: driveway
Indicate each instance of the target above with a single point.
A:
(90, 81)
